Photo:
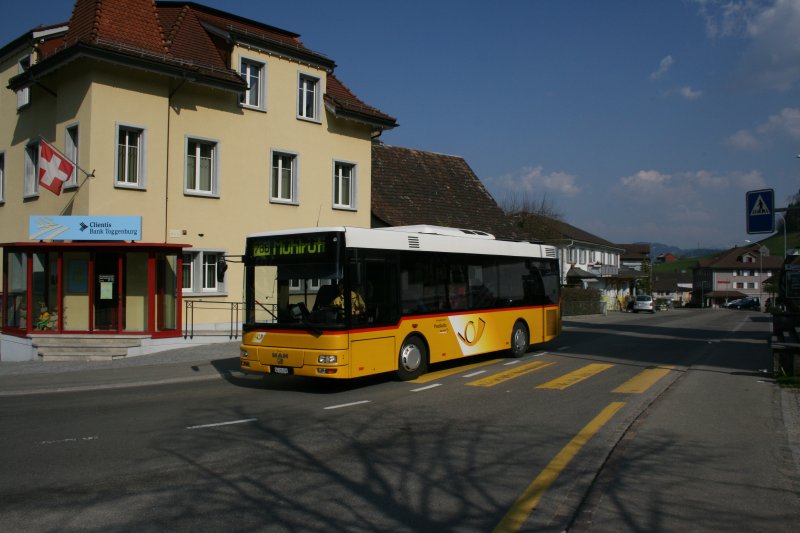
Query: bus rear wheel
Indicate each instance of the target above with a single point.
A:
(519, 339)
(412, 360)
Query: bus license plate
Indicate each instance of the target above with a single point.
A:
(281, 370)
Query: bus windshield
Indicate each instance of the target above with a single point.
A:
(296, 281)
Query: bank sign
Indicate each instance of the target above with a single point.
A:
(46, 228)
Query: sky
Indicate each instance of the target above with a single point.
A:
(637, 121)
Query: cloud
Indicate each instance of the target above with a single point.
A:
(663, 68)
(535, 180)
(785, 123)
(690, 94)
(744, 140)
(669, 187)
(682, 208)
(770, 27)
(646, 182)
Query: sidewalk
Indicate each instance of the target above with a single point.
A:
(195, 363)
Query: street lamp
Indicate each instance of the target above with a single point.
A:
(760, 271)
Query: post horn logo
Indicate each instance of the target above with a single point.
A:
(472, 333)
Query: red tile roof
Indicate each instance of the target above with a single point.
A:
(132, 23)
(188, 37)
(338, 95)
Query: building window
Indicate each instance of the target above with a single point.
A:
(308, 98)
(2, 178)
(31, 170)
(283, 186)
(71, 151)
(200, 272)
(253, 73)
(23, 95)
(209, 281)
(130, 157)
(344, 181)
(201, 167)
(188, 272)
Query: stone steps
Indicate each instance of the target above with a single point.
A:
(84, 347)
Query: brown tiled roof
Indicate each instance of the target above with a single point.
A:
(549, 229)
(732, 260)
(416, 187)
(132, 23)
(634, 252)
(347, 104)
(186, 39)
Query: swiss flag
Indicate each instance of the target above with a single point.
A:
(54, 169)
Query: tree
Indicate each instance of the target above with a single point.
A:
(536, 219)
(792, 216)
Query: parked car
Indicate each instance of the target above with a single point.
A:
(663, 304)
(745, 303)
(644, 302)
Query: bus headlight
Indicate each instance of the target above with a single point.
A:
(327, 359)
(243, 354)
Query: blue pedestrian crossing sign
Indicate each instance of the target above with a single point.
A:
(760, 211)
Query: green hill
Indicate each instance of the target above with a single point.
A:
(774, 243)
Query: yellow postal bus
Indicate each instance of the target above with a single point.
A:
(346, 302)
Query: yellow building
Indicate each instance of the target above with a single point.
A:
(207, 125)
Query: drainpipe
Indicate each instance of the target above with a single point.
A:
(166, 170)
(566, 261)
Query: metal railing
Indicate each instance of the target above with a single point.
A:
(232, 309)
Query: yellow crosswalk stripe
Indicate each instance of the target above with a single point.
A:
(643, 380)
(432, 376)
(501, 377)
(519, 512)
(568, 380)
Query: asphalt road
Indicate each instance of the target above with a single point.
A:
(625, 423)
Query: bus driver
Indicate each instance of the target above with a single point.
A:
(357, 305)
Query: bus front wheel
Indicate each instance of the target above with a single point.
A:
(412, 360)
(519, 339)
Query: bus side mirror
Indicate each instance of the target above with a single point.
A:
(222, 266)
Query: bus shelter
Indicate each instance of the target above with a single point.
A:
(92, 288)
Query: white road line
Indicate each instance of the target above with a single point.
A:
(203, 426)
(70, 439)
(563, 348)
(515, 362)
(347, 404)
(426, 388)
(474, 374)
(539, 353)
